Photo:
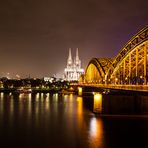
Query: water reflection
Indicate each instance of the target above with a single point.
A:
(1, 95)
(1, 104)
(96, 132)
(64, 113)
(80, 106)
(53, 120)
(11, 107)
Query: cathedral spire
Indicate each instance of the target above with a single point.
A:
(77, 62)
(70, 57)
(77, 55)
(69, 60)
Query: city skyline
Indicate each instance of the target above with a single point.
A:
(35, 36)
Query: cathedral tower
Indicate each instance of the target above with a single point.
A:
(77, 61)
(73, 70)
(69, 60)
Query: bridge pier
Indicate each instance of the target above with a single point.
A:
(115, 101)
(80, 91)
(125, 104)
(97, 102)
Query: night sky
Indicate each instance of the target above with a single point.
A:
(35, 35)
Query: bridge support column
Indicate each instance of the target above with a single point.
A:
(105, 79)
(130, 68)
(115, 79)
(137, 66)
(124, 71)
(145, 64)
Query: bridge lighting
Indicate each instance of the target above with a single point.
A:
(98, 96)
(97, 108)
(80, 91)
(128, 66)
(71, 88)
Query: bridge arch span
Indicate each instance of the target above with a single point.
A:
(130, 66)
(97, 69)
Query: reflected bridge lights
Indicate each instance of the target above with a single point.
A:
(97, 102)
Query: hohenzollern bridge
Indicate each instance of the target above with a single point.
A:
(129, 67)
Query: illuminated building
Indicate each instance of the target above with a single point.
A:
(73, 70)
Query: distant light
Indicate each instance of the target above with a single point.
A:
(17, 76)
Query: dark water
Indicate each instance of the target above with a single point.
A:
(49, 121)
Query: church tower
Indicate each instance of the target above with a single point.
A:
(73, 69)
(77, 61)
(69, 60)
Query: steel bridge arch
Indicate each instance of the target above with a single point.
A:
(130, 66)
(97, 69)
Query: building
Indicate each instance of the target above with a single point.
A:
(73, 70)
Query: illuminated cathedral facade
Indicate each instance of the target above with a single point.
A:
(73, 70)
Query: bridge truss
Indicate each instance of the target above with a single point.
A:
(129, 67)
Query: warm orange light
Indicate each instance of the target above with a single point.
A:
(96, 132)
(97, 96)
(80, 91)
(80, 106)
(71, 88)
(97, 103)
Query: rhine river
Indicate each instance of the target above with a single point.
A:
(55, 121)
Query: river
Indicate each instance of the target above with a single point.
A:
(55, 121)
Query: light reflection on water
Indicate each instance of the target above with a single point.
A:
(51, 118)
(1, 104)
(96, 132)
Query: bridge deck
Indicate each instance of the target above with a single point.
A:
(143, 88)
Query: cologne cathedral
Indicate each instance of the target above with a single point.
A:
(73, 70)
